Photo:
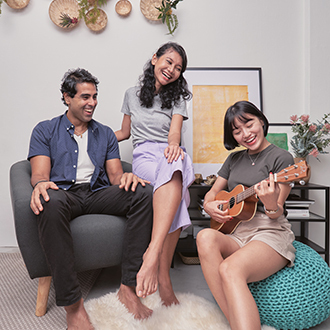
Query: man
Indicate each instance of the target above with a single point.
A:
(76, 170)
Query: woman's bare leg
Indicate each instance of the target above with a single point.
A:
(165, 285)
(213, 247)
(166, 201)
(228, 280)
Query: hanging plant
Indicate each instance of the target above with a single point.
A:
(92, 8)
(167, 16)
(1, 1)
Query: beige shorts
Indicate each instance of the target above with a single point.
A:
(276, 233)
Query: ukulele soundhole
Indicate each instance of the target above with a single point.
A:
(231, 202)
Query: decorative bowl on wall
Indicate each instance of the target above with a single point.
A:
(60, 8)
(148, 9)
(123, 7)
(100, 22)
(17, 4)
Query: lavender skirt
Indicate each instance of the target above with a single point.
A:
(149, 163)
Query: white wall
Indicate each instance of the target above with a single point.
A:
(35, 53)
(319, 90)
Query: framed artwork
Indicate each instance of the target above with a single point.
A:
(214, 90)
(280, 135)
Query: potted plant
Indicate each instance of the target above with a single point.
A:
(310, 139)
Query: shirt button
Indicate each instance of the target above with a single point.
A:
(74, 166)
(76, 151)
(72, 180)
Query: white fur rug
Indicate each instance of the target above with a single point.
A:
(193, 313)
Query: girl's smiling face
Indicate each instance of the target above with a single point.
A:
(167, 68)
(249, 133)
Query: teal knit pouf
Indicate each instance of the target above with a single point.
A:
(297, 297)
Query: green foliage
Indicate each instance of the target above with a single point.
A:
(310, 138)
(67, 21)
(167, 16)
(93, 9)
(1, 1)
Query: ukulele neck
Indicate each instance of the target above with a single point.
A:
(245, 194)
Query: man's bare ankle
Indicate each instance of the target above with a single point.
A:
(74, 307)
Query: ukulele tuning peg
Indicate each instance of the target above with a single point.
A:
(302, 182)
(295, 166)
(291, 184)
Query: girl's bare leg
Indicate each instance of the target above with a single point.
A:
(213, 247)
(166, 201)
(228, 283)
(165, 285)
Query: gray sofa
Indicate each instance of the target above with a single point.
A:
(97, 238)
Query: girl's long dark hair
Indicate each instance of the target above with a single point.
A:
(169, 94)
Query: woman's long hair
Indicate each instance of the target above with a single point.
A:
(169, 94)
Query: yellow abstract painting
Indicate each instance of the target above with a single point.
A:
(209, 106)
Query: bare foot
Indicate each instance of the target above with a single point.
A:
(166, 292)
(77, 317)
(147, 277)
(127, 296)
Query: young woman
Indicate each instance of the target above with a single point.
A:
(153, 115)
(257, 248)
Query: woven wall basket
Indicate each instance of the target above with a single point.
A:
(100, 23)
(148, 9)
(123, 7)
(59, 7)
(17, 4)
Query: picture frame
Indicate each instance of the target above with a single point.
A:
(214, 90)
(277, 132)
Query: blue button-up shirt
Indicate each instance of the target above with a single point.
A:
(55, 139)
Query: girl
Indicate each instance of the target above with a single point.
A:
(257, 248)
(153, 115)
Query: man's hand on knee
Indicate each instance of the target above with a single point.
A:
(41, 189)
(131, 180)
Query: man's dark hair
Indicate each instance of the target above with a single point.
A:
(74, 77)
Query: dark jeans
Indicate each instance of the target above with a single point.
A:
(56, 240)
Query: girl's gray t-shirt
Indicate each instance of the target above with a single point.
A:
(150, 124)
(238, 168)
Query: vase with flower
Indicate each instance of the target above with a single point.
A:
(310, 139)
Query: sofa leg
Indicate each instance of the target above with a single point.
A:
(43, 292)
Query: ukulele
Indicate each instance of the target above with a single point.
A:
(242, 201)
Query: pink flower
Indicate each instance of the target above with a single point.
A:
(304, 118)
(74, 20)
(294, 119)
(314, 153)
(312, 128)
(326, 127)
